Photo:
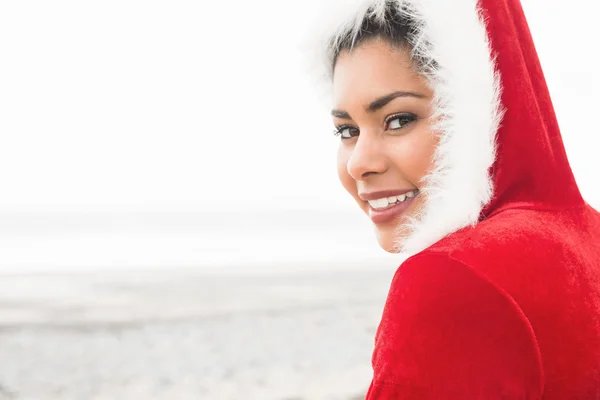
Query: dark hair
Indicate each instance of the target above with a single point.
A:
(394, 26)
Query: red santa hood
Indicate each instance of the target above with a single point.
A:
(500, 142)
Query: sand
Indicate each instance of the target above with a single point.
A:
(184, 334)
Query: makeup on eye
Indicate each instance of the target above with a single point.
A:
(345, 131)
(393, 122)
(399, 120)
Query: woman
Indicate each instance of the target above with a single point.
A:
(449, 143)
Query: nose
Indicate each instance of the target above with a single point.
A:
(367, 157)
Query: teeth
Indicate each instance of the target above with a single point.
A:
(388, 201)
(380, 203)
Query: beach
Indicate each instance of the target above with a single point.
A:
(223, 333)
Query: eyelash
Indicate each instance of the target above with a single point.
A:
(411, 118)
(406, 116)
(338, 130)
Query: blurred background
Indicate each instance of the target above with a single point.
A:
(171, 225)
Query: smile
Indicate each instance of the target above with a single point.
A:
(387, 202)
(386, 209)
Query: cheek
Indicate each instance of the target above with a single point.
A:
(414, 155)
(342, 169)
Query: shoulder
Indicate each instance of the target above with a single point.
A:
(448, 331)
(513, 230)
(514, 249)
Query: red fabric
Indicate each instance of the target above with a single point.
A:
(510, 308)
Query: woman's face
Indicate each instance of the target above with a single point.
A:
(381, 110)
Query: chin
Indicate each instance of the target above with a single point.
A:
(388, 237)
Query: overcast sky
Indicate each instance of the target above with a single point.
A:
(206, 105)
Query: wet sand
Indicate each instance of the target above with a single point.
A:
(221, 334)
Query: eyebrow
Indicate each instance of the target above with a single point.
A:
(379, 103)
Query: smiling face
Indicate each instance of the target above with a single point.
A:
(381, 110)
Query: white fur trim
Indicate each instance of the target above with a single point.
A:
(467, 101)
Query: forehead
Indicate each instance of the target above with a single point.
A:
(372, 69)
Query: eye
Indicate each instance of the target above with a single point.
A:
(399, 121)
(346, 131)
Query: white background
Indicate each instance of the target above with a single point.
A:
(115, 108)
